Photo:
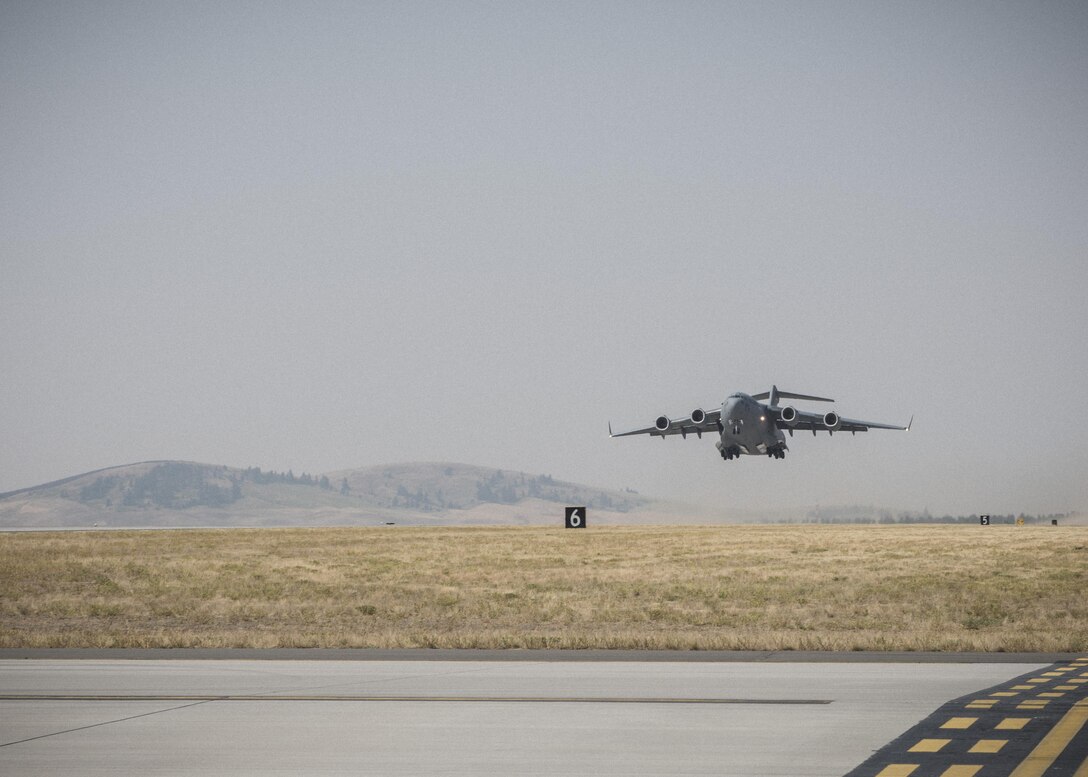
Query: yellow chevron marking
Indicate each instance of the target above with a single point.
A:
(959, 723)
(1056, 740)
(897, 770)
(1082, 771)
(961, 770)
(1032, 705)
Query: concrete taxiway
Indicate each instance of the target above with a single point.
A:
(450, 717)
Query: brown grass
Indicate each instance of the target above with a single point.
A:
(950, 588)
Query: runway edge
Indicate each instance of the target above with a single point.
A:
(426, 654)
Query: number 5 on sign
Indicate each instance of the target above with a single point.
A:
(576, 517)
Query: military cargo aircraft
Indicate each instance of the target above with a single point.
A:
(747, 426)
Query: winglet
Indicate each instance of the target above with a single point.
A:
(610, 429)
(911, 421)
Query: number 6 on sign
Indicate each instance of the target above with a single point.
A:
(576, 517)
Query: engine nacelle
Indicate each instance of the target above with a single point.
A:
(698, 417)
(663, 423)
(832, 421)
(788, 415)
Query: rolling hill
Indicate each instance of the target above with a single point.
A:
(180, 493)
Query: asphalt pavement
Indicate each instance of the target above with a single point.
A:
(124, 716)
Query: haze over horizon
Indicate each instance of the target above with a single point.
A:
(336, 235)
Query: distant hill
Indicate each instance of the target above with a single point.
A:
(180, 493)
(438, 487)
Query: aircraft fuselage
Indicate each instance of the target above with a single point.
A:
(748, 427)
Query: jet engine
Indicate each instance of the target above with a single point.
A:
(832, 421)
(788, 414)
(663, 423)
(698, 417)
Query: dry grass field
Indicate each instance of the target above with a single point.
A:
(951, 588)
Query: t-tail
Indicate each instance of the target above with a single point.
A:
(774, 395)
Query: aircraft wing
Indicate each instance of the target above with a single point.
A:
(815, 421)
(708, 422)
(864, 426)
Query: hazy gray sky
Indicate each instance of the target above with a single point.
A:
(326, 235)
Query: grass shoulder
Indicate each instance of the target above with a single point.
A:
(946, 588)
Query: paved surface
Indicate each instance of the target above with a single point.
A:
(1031, 726)
(465, 717)
(578, 656)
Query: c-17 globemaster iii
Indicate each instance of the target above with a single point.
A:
(747, 426)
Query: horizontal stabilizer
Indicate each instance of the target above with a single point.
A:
(789, 395)
(774, 395)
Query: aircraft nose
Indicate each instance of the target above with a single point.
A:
(731, 415)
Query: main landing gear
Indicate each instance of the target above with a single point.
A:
(729, 453)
